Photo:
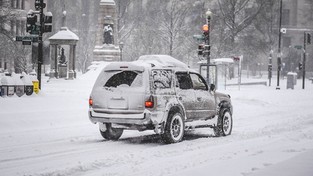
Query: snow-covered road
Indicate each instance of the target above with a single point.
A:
(50, 134)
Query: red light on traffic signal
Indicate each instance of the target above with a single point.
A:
(236, 58)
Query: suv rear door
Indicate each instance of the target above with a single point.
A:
(120, 91)
(185, 93)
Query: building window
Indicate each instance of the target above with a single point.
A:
(13, 27)
(23, 5)
(18, 4)
(286, 42)
(18, 27)
(286, 17)
(13, 4)
(23, 27)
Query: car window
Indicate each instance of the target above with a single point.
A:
(198, 82)
(126, 78)
(184, 80)
(162, 79)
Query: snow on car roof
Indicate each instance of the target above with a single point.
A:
(218, 61)
(162, 61)
(147, 62)
(125, 66)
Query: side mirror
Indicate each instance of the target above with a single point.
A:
(212, 87)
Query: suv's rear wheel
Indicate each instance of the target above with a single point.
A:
(174, 128)
(224, 123)
(111, 133)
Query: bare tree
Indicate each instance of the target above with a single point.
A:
(173, 26)
(12, 52)
(236, 15)
(124, 25)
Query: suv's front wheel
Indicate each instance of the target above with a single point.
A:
(174, 128)
(224, 123)
(111, 133)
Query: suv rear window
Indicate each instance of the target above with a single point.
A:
(130, 78)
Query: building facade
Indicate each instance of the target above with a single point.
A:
(13, 23)
(297, 19)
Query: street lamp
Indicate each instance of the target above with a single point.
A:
(207, 47)
(121, 44)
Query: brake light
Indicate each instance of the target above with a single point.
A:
(90, 101)
(150, 102)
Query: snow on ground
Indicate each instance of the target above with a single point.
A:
(50, 134)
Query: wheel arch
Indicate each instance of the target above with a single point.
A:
(174, 108)
(177, 109)
(225, 104)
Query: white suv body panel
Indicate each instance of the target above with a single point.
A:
(124, 105)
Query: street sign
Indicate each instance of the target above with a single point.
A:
(198, 37)
(19, 38)
(31, 38)
(26, 42)
(298, 46)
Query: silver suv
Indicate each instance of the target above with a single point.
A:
(160, 93)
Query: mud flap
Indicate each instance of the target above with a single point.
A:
(159, 128)
(102, 127)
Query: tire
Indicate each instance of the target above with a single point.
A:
(174, 128)
(224, 123)
(111, 133)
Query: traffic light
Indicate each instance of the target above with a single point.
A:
(270, 67)
(236, 58)
(205, 29)
(48, 22)
(300, 66)
(200, 49)
(31, 26)
(39, 5)
(308, 38)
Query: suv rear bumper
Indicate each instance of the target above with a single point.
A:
(119, 118)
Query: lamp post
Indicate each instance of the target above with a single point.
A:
(279, 43)
(121, 44)
(207, 47)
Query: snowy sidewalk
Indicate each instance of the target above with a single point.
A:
(300, 165)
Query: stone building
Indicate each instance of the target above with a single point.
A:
(296, 18)
(15, 26)
(296, 21)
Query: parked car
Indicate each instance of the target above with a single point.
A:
(160, 93)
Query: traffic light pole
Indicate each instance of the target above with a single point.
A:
(304, 60)
(207, 46)
(40, 46)
(279, 43)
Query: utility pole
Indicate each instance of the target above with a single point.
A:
(45, 25)
(304, 59)
(279, 45)
(41, 31)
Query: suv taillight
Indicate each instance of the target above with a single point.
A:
(90, 101)
(150, 102)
